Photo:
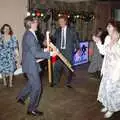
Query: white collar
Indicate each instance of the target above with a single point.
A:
(64, 27)
(33, 32)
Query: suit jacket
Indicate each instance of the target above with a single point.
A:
(71, 42)
(31, 51)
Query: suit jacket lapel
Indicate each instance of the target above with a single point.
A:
(34, 36)
(59, 36)
(67, 35)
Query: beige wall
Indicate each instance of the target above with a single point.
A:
(13, 12)
(103, 12)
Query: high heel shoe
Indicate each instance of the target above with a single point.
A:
(104, 110)
(108, 114)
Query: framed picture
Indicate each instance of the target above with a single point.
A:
(81, 56)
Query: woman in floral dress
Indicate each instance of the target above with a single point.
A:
(8, 54)
(109, 90)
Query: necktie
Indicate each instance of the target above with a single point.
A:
(63, 40)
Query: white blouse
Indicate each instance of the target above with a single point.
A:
(111, 62)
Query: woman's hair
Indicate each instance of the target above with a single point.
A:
(98, 30)
(3, 27)
(114, 23)
(102, 35)
(28, 20)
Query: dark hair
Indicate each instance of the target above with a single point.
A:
(3, 27)
(95, 32)
(28, 20)
(63, 17)
(98, 30)
(114, 24)
(103, 35)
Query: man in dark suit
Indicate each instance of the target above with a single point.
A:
(66, 41)
(31, 54)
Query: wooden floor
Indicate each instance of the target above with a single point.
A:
(60, 103)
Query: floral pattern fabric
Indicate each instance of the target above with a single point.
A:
(109, 90)
(7, 55)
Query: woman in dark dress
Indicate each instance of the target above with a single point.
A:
(97, 58)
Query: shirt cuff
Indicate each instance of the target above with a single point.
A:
(51, 53)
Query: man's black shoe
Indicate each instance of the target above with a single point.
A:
(35, 113)
(21, 101)
(54, 85)
(38, 112)
(69, 86)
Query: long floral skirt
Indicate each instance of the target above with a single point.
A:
(109, 93)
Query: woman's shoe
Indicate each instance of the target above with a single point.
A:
(104, 110)
(108, 114)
